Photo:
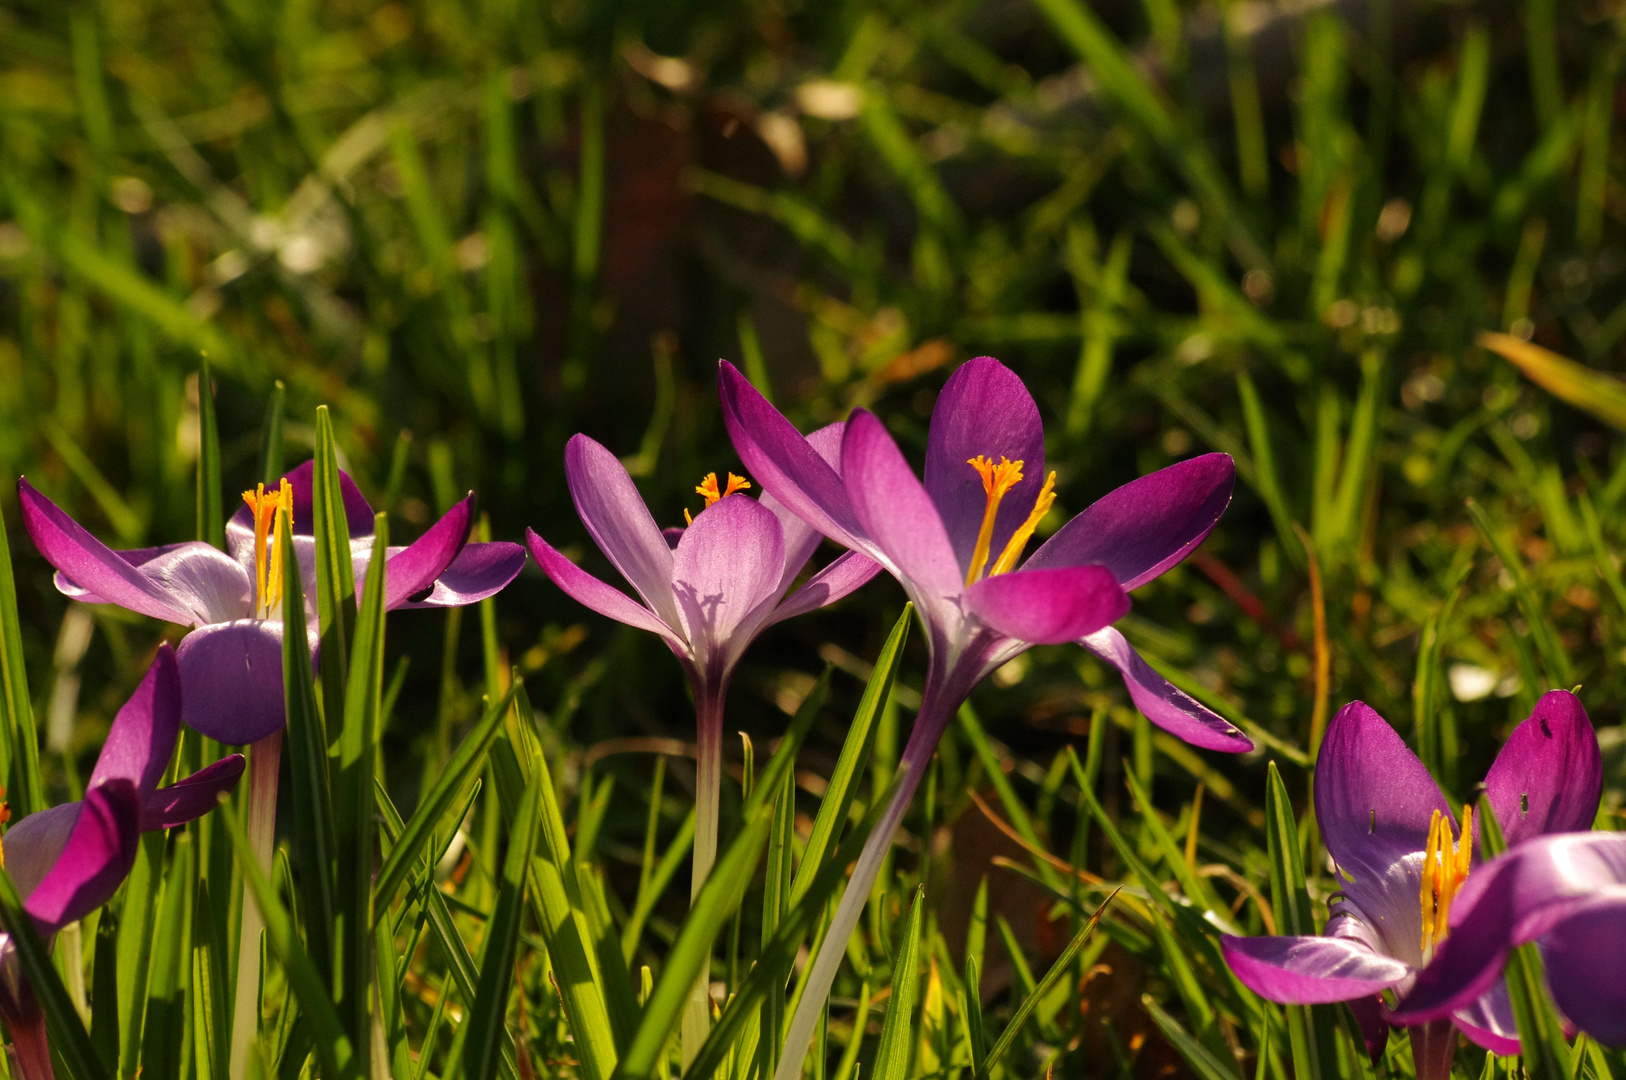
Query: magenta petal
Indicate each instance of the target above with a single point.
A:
(1369, 1016)
(1163, 703)
(894, 509)
(1148, 525)
(984, 410)
(479, 571)
(725, 575)
(91, 564)
(34, 842)
(189, 799)
(1310, 970)
(1374, 801)
(620, 523)
(784, 463)
(1549, 774)
(846, 573)
(1048, 607)
(1488, 1021)
(134, 556)
(415, 568)
(97, 857)
(1585, 955)
(231, 680)
(802, 539)
(358, 513)
(139, 744)
(589, 591)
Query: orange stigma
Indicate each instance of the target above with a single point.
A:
(708, 490)
(997, 481)
(266, 506)
(1445, 868)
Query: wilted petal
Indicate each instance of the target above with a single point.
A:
(895, 511)
(95, 860)
(1585, 955)
(189, 799)
(984, 410)
(92, 565)
(1549, 774)
(231, 680)
(1048, 607)
(479, 571)
(139, 744)
(1310, 970)
(844, 574)
(784, 463)
(620, 523)
(1374, 801)
(589, 591)
(415, 567)
(1163, 703)
(725, 573)
(1148, 525)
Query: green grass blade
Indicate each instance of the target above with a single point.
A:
(482, 1048)
(1553, 656)
(1203, 1063)
(19, 742)
(210, 1040)
(335, 577)
(898, 1030)
(271, 440)
(104, 994)
(1290, 904)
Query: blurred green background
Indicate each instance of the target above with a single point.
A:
(476, 228)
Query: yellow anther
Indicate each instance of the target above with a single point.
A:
(1024, 532)
(997, 480)
(267, 507)
(708, 487)
(1445, 868)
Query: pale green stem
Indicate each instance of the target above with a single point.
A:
(696, 1019)
(264, 758)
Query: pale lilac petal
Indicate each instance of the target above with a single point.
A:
(802, 539)
(725, 574)
(589, 591)
(1549, 774)
(1488, 1021)
(1048, 607)
(479, 571)
(189, 799)
(786, 464)
(895, 511)
(204, 581)
(1148, 525)
(32, 844)
(139, 744)
(1310, 970)
(98, 856)
(231, 680)
(1585, 955)
(1163, 703)
(844, 574)
(983, 411)
(134, 556)
(1374, 801)
(620, 523)
(91, 564)
(415, 568)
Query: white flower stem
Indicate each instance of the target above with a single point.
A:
(264, 758)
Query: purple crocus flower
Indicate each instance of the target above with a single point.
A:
(69, 860)
(231, 664)
(1567, 892)
(956, 544)
(1390, 833)
(708, 590)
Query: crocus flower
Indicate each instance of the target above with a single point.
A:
(69, 860)
(1567, 892)
(708, 590)
(1404, 862)
(231, 663)
(956, 544)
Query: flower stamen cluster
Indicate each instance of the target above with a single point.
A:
(997, 481)
(1445, 868)
(707, 489)
(265, 506)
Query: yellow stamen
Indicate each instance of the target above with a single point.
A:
(708, 487)
(1445, 868)
(1019, 539)
(997, 480)
(266, 507)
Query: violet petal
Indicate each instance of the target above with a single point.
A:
(802, 539)
(231, 680)
(895, 511)
(1549, 774)
(1049, 607)
(479, 571)
(984, 410)
(191, 798)
(725, 575)
(1585, 955)
(96, 859)
(589, 591)
(845, 573)
(1163, 703)
(417, 566)
(1488, 1021)
(142, 738)
(1149, 524)
(358, 513)
(1310, 970)
(620, 523)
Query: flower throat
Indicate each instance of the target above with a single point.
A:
(266, 506)
(997, 481)
(1445, 868)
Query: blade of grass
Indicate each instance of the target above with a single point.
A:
(19, 741)
(897, 1030)
(1309, 1035)
(335, 576)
